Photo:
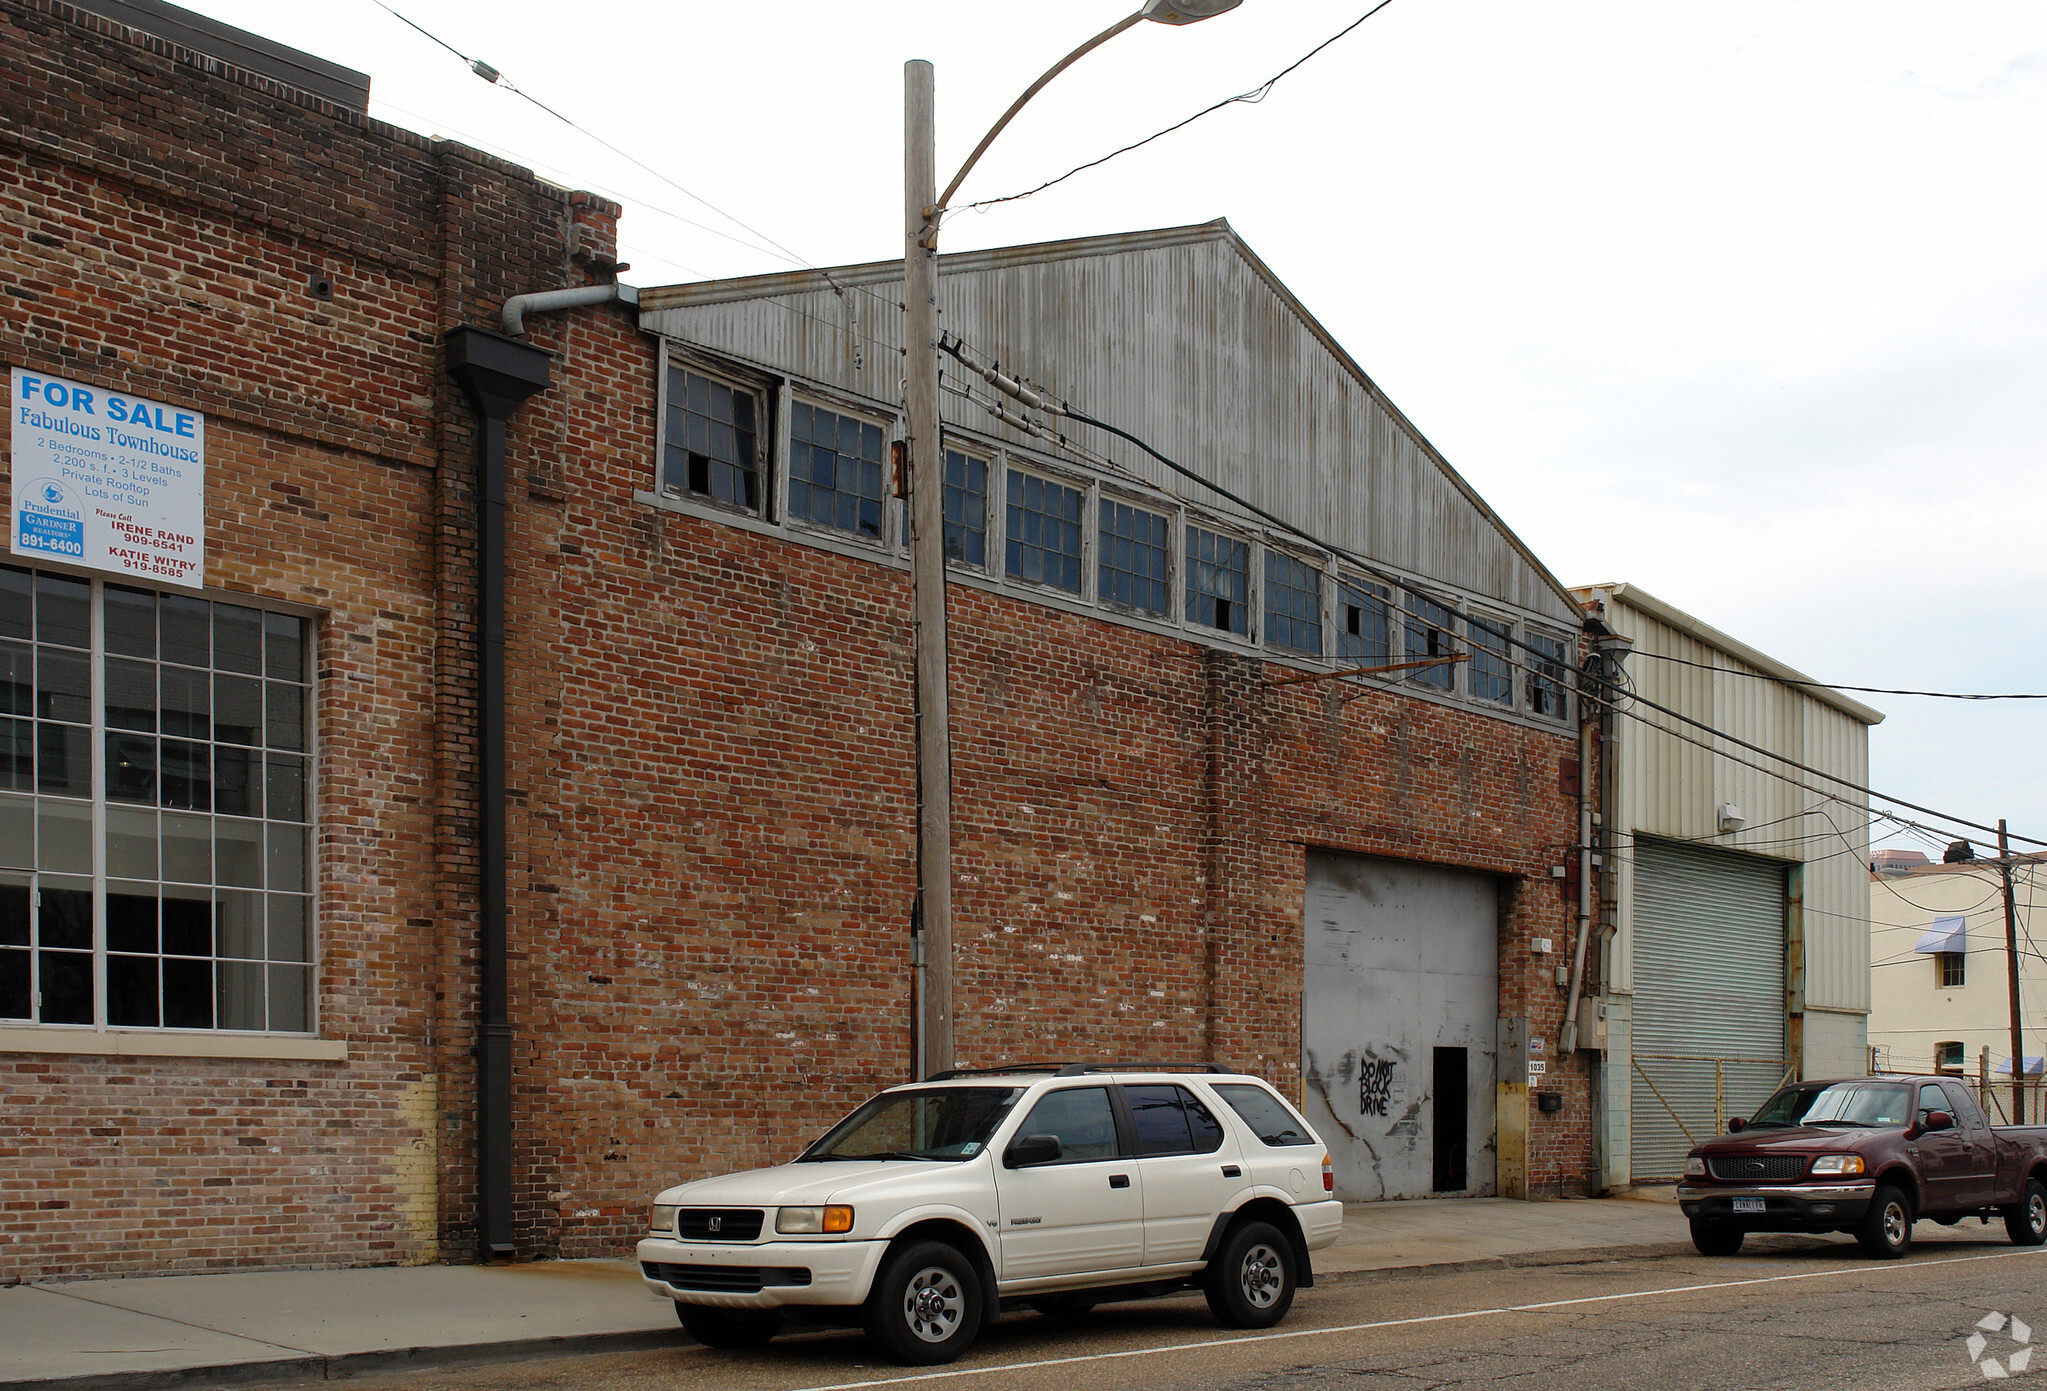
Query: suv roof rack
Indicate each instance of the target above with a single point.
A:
(1078, 1069)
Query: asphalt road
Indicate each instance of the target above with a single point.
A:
(1799, 1314)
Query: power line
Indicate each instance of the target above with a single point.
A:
(1829, 685)
(1252, 97)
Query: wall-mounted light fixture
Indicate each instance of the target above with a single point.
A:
(1731, 819)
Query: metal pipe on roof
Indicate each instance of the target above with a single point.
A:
(513, 315)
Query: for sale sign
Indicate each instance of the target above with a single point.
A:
(107, 480)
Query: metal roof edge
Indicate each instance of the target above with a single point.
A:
(1664, 612)
(810, 280)
(656, 299)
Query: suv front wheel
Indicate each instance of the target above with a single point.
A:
(1250, 1284)
(925, 1307)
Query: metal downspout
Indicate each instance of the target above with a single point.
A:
(513, 315)
(497, 373)
(1567, 1044)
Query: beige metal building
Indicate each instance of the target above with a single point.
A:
(1736, 941)
(1939, 988)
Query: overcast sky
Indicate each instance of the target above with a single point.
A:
(1743, 303)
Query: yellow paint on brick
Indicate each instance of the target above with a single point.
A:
(415, 1170)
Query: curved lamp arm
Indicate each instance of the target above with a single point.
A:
(945, 198)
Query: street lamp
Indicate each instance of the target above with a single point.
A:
(922, 211)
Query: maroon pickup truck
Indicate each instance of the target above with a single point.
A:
(1869, 1156)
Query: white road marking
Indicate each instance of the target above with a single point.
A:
(1888, 1267)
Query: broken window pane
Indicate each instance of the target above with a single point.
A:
(1490, 678)
(1548, 677)
(712, 444)
(1429, 627)
(1218, 582)
(1362, 629)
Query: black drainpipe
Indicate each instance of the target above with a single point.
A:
(497, 373)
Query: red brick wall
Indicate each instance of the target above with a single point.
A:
(710, 734)
(713, 744)
(161, 225)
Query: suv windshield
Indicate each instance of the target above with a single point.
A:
(942, 1123)
(1844, 1103)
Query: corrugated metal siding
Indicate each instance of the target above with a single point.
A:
(1709, 972)
(1186, 344)
(1672, 787)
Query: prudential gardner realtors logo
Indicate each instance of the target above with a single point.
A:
(2001, 1347)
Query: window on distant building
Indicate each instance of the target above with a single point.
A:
(173, 889)
(1134, 559)
(712, 445)
(1293, 604)
(1044, 532)
(835, 470)
(966, 509)
(1548, 676)
(1953, 968)
(1949, 1057)
(1429, 627)
(1218, 582)
(1490, 677)
(1361, 633)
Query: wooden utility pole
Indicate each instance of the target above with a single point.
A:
(2011, 949)
(927, 571)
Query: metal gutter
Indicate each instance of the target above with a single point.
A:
(498, 374)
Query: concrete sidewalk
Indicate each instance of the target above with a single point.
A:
(190, 1329)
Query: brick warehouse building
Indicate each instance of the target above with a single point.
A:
(248, 1004)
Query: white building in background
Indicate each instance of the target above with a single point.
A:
(1940, 977)
(1736, 939)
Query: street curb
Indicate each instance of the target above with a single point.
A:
(1570, 1255)
(352, 1364)
(343, 1365)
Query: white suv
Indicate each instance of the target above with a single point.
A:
(937, 1204)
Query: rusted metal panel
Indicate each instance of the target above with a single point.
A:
(1181, 337)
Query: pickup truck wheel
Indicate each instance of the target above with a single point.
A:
(1716, 1238)
(728, 1328)
(1885, 1230)
(925, 1307)
(2025, 1222)
(1250, 1284)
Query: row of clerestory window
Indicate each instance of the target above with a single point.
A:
(1015, 523)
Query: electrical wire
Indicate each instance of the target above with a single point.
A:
(1829, 685)
(1249, 98)
(958, 348)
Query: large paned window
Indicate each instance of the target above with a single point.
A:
(171, 886)
(1429, 626)
(1218, 582)
(1362, 629)
(1490, 677)
(966, 509)
(1293, 604)
(835, 470)
(1547, 675)
(1134, 559)
(1044, 532)
(712, 447)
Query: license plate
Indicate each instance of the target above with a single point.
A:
(1748, 1205)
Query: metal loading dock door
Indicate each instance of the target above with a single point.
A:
(1399, 1024)
(1709, 1005)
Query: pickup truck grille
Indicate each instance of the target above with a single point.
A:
(1758, 1168)
(718, 1223)
(724, 1279)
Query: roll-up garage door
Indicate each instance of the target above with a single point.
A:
(1709, 996)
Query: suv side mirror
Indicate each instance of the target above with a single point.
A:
(1736, 1124)
(1936, 1120)
(1032, 1149)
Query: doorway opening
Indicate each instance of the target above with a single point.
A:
(1453, 1108)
